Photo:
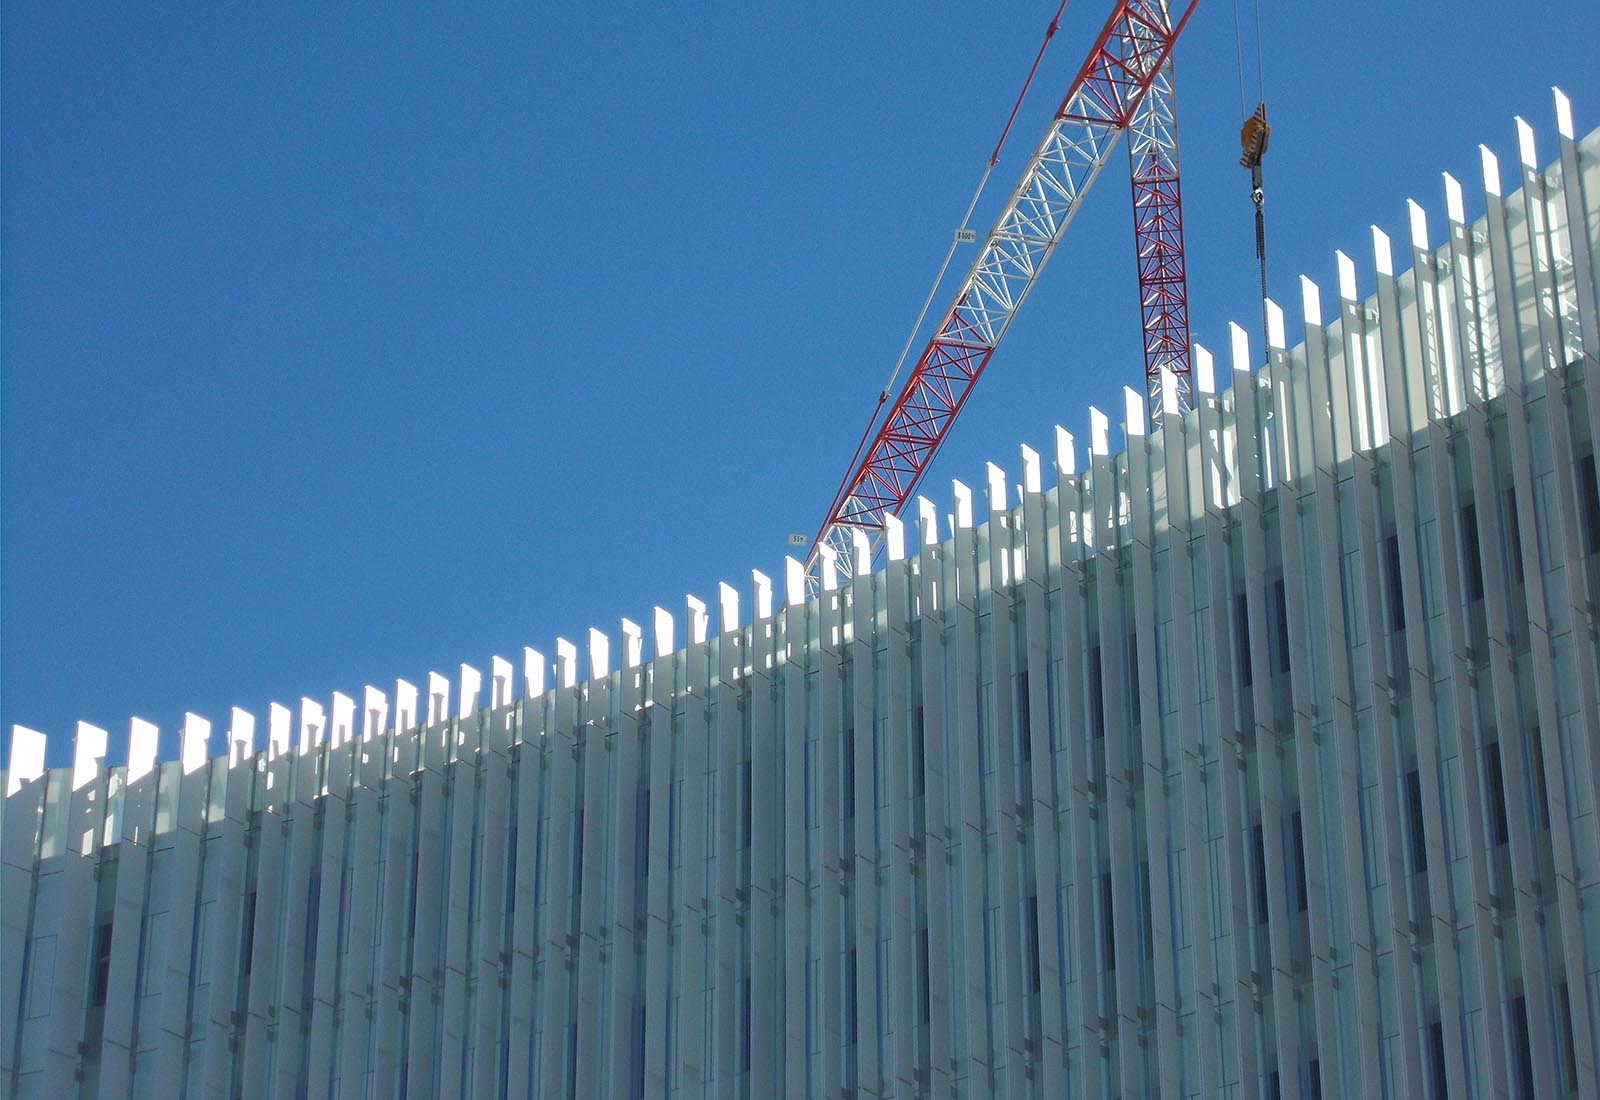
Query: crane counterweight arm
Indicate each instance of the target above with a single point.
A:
(1132, 50)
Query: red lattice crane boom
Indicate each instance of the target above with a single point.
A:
(1124, 85)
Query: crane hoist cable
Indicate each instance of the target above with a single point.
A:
(963, 235)
(1253, 137)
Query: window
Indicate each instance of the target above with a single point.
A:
(1494, 793)
(675, 825)
(1471, 555)
(1241, 616)
(744, 1031)
(1133, 677)
(1024, 718)
(249, 937)
(1259, 847)
(577, 853)
(850, 997)
(1589, 504)
(1569, 1058)
(313, 907)
(511, 871)
(1031, 930)
(102, 955)
(919, 778)
(1513, 529)
(1441, 1085)
(847, 769)
(1280, 604)
(1146, 929)
(1108, 940)
(745, 791)
(1541, 797)
(1392, 584)
(1300, 893)
(636, 1044)
(1414, 825)
(1097, 701)
(641, 833)
(922, 973)
(1521, 1051)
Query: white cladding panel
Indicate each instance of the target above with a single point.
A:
(1260, 759)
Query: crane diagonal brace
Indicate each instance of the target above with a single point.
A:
(1158, 241)
(1132, 49)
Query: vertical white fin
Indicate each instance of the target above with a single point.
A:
(471, 684)
(278, 722)
(438, 697)
(566, 663)
(699, 622)
(961, 498)
(27, 758)
(1454, 206)
(894, 537)
(193, 742)
(662, 631)
(928, 521)
(1205, 372)
(1099, 433)
(860, 551)
(1169, 392)
(241, 736)
(1134, 416)
(1239, 345)
(1382, 254)
(599, 655)
(142, 738)
(1275, 334)
(1032, 480)
(88, 753)
(500, 677)
(995, 488)
(1491, 171)
(761, 594)
(828, 567)
(313, 721)
(344, 719)
(1419, 224)
(1066, 452)
(534, 670)
(1347, 277)
(1525, 148)
(1563, 113)
(794, 583)
(1310, 302)
(632, 644)
(405, 705)
(727, 608)
(374, 713)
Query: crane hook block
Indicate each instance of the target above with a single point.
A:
(1253, 137)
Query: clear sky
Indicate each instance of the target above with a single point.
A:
(339, 343)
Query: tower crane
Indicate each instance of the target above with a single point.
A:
(1124, 86)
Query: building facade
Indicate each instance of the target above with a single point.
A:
(1256, 760)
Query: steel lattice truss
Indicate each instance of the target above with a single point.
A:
(1131, 54)
(1158, 240)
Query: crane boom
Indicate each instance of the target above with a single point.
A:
(1158, 240)
(1133, 48)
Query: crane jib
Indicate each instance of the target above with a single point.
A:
(1130, 58)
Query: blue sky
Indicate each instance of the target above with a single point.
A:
(339, 343)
